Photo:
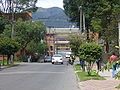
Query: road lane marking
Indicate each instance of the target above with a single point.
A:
(30, 72)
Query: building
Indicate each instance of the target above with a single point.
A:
(16, 16)
(57, 39)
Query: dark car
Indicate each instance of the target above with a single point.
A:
(47, 59)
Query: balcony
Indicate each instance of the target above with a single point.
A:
(61, 42)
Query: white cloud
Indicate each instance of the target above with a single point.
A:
(50, 3)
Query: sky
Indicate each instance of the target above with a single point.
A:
(50, 3)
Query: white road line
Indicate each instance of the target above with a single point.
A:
(30, 72)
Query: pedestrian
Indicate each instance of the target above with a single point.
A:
(99, 62)
(29, 59)
(112, 60)
(82, 64)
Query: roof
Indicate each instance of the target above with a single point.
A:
(24, 15)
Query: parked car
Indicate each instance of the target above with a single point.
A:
(47, 59)
(57, 58)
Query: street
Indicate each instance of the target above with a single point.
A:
(38, 76)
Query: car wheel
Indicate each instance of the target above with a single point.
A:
(52, 62)
(61, 62)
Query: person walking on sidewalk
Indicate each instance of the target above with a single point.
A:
(99, 62)
(112, 59)
(29, 59)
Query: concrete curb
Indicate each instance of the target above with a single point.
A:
(77, 78)
(9, 66)
(76, 74)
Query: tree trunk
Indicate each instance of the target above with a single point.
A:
(3, 60)
(8, 59)
(107, 46)
(89, 67)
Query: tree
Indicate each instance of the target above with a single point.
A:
(101, 16)
(8, 6)
(38, 47)
(27, 31)
(8, 47)
(90, 52)
(75, 42)
(7, 31)
(2, 24)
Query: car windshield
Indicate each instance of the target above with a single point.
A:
(57, 55)
(48, 57)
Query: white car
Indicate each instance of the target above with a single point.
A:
(67, 55)
(57, 58)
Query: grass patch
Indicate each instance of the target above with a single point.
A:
(4, 63)
(83, 76)
(118, 87)
(77, 67)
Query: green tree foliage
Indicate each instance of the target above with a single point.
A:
(90, 52)
(100, 9)
(75, 42)
(27, 31)
(38, 47)
(8, 47)
(7, 31)
(2, 24)
(101, 16)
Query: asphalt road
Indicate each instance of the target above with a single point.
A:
(38, 76)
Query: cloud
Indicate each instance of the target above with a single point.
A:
(50, 3)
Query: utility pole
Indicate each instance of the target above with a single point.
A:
(80, 10)
(12, 25)
(119, 36)
(12, 20)
(84, 29)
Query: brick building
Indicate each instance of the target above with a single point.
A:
(23, 16)
(57, 39)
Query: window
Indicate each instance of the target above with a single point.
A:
(51, 48)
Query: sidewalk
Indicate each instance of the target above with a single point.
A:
(108, 84)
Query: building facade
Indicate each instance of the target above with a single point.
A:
(57, 39)
(24, 16)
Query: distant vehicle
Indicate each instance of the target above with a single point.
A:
(57, 58)
(68, 54)
(47, 59)
(63, 54)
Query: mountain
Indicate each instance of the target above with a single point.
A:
(53, 17)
